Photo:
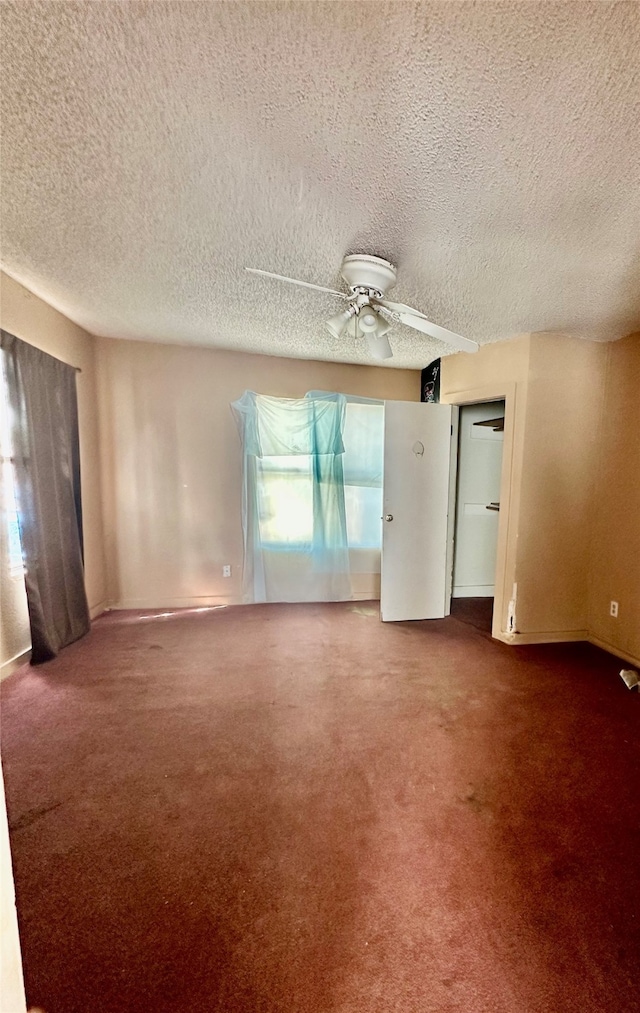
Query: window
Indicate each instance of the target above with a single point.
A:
(312, 491)
(285, 487)
(8, 485)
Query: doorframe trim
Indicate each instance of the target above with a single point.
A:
(509, 496)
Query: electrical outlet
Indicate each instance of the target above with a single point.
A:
(613, 609)
(226, 570)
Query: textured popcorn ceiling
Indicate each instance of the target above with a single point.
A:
(152, 150)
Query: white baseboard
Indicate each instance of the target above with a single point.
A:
(610, 649)
(10, 666)
(473, 591)
(367, 594)
(561, 637)
(96, 610)
(174, 603)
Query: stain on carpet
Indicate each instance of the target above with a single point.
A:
(32, 815)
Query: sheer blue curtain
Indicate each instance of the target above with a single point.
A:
(363, 436)
(293, 505)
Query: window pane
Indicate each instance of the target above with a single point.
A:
(363, 466)
(8, 489)
(10, 515)
(285, 507)
(364, 445)
(363, 505)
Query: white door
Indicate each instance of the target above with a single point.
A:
(417, 529)
(478, 499)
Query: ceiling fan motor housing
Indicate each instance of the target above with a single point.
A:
(373, 274)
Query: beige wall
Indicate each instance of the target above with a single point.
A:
(29, 318)
(564, 398)
(571, 539)
(172, 461)
(615, 549)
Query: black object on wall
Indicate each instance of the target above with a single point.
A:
(42, 397)
(430, 382)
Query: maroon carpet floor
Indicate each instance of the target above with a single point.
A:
(297, 808)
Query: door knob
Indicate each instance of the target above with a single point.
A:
(388, 517)
(493, 506)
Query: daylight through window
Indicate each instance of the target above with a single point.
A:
(11, 528)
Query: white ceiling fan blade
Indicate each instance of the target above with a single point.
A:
(294, 281)
(413, 318)
(439, 333)
(400, 307)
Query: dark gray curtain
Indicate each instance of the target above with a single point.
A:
(44, 409)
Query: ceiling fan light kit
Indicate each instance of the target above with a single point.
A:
(368, 319)
(369, 279)
(337, 325)
(378, 345)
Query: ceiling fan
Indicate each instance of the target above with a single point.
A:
(368, 313)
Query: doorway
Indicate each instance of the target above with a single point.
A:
(480, 447)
